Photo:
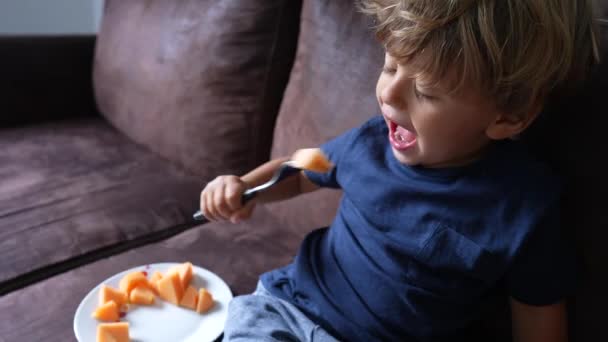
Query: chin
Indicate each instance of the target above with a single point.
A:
(404, 158)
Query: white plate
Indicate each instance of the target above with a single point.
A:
(162, 321)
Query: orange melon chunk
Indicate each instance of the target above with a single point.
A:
(189, 300)
(105, 337)
(170, 288)
(113, 332)
(311, 159)
(107, 293)
(185, 273)
(205, 301)
(108, 312)
(131, 281)
(142, 295)
(156, 276)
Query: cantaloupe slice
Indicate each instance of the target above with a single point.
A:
(190, 298)
(107, 293)
(108, 312)
(105, 337)
(131, 281)
(142, 295)
(205, 301)
(156, 276)
(170, 288)
(113, 332)
(185, 273)
(311, 159)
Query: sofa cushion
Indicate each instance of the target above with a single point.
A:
(198, 82)
(237, 253)
(71, 187)
(331, 89)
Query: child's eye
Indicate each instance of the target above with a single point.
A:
(422, 96)
(389, 70)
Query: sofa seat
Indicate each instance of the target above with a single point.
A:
(72, 187)
(237, 253)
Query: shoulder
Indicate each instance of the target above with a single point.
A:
(355, 142)
(374, 124)
(371, 133)
(525, 175)
(372, 128)
(533, 194)
(525, 192)
(363, 136)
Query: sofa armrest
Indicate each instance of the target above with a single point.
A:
(45, 78)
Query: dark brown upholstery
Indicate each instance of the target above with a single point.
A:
(331, 89)
(576, 143)
(237, 253)
(198, 82)
(70, 187)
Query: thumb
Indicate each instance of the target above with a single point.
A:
(243, 213)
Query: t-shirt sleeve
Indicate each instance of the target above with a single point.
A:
(334, 150)
(544, 271)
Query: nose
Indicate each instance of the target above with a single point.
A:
(395, 91)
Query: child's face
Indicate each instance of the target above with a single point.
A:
(428, 126)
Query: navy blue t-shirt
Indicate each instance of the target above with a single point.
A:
(414, 253)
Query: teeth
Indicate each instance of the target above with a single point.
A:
(399, 137)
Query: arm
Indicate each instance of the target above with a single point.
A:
(286, 189)
(221, 198)
(539, 323)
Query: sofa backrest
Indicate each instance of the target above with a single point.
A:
(331, 89)
(572, 136)
(197, 81)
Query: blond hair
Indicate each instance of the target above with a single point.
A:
(516, 51)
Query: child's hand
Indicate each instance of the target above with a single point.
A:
(221, 200)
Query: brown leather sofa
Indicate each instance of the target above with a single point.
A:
(106, 142)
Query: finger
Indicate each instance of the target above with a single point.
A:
(221, 208)
(203, 204)
(233, 195)
(243, 213)
(209, 209)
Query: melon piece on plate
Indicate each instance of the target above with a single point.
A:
(131, 281)
(142, 295)
(311, 159)
(107, 293)
(170, 288)
(113, 332)
(205, 301)
(190, 298)
(108, 312)
(156, 276)
(185, 273)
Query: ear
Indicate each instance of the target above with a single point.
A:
(507, 125)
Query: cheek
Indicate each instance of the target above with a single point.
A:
(434, 128)
(448, 134)
(379, 86)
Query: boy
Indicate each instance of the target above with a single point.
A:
(440, 206)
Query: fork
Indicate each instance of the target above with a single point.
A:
(286, 170)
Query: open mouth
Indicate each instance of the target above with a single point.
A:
(401, 138)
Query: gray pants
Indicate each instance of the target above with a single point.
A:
(262, 317)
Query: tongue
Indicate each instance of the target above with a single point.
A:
(403, 135)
